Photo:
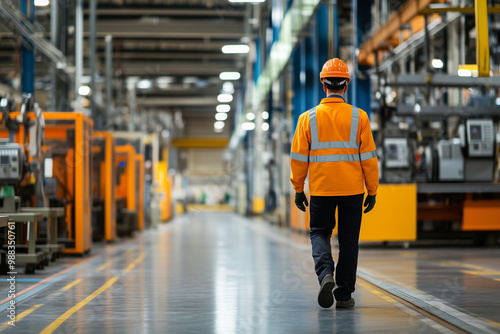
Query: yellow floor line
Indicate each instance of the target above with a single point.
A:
(65, 288)
(54, 325)
(484, 273)
(20, 316)
(133, 264)
(72, 284)
(104, 266)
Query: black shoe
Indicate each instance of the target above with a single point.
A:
(325, 295)
(345, 303)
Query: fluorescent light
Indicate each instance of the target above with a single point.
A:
(254, 1)
(248, 126)
(221, 116)
(437, 63)
(219, 125)
(84, 90)
(265, 126)
(41, 3)
(265, 115)
(223, 108)
(144, 84)
(163, 82)
(229, 75)
(464, 73)
(250, 116)
(417, 108)
(189, 80)
(241, 48)
(228, 87)
(224, 98)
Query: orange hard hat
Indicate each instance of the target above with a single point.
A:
(334, 68)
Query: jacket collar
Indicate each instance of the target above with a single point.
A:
(333, 99)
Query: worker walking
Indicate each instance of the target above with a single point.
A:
(334, 142)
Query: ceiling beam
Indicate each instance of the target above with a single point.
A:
(176, 101)
(202, 28)
(168, 12)
(185, 68)
(162, 55)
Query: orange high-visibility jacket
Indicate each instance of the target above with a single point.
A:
(334, 142)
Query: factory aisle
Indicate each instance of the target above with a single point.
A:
(207, 273)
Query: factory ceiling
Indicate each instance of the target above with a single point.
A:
(175, 44)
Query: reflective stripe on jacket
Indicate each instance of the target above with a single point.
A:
(334, 142)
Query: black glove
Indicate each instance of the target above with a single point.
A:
(300, 200)
(369, 201)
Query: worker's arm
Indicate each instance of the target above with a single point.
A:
(299, 157)
(368, 155)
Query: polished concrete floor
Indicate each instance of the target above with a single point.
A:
(221, 273)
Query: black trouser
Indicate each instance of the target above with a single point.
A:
(322, 223)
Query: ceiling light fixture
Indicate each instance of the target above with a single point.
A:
(265, 126)
(233, 49)
(144, 84)
(229, 75)
(41, 3)
(223, 108)
(221, 116)
(228, 87)
(253, 1)
(219, 125)
(84, 90)
(265, 115)
(224, 98)
(247, 126)
(250, 116)
(437, 63)
(464, 72)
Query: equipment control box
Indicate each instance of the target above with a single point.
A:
(11, 162)
(480, 138)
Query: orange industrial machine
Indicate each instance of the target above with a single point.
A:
(139, 190)
(103, 187)
(67, 156)
(126, 190)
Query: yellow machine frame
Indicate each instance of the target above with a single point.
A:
(139, 162)
(108, 172)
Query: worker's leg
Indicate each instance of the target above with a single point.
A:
(322, 213)
(348, 234)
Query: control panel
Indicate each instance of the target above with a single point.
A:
(11, 162)
(396, 152)
(480, 137)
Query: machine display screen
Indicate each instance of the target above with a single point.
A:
(4, 160)
(475, 132)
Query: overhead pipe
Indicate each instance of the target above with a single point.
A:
(109, 77)
(78, 51)
(92, 60)
(54, 34)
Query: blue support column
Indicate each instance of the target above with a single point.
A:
(297, 90)
(321, 37)
(312, 75)
(363, 89)
(28, 52)
(257, 66)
